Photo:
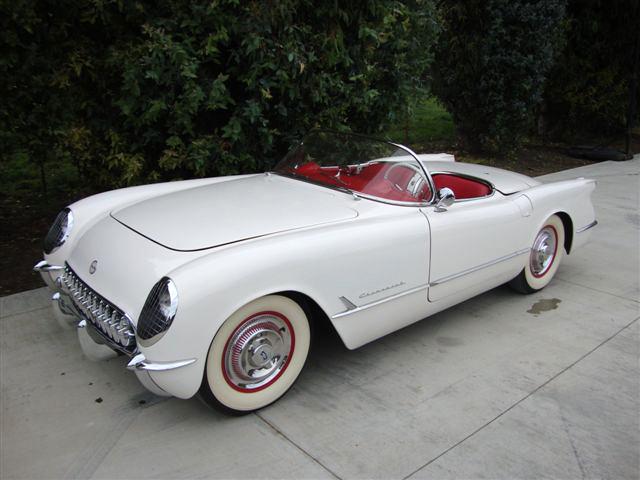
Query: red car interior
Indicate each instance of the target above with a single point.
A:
(462, 187)
(370, 180)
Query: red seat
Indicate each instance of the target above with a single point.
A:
(462, 187)
(369, 180)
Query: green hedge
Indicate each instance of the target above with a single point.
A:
(588, 92)
(491, 64)
(150, 90)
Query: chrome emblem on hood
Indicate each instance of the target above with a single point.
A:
(93, 267)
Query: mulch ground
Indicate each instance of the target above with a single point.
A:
(23, 225)
(533, 161)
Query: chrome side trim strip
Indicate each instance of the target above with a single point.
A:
(587, 227)
(479, 267)
(43, 266)
(348, 303)
(378, 302)
(139, 362)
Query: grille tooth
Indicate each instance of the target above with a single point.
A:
(105, 316)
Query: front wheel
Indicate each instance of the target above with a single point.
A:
(257, 355)
(543, 262)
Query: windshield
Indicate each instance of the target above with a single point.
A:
(358, 164)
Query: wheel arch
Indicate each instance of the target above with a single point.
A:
(319, 319)
(570, 200)
(567, 223)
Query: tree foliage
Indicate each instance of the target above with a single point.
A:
(147, 90)
(491, 64)
(588, 88)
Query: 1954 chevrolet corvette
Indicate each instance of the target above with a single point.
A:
(210, 285)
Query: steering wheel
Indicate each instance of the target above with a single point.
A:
(415, 184)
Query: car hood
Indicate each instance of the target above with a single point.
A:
(234, 210)
(504, 181)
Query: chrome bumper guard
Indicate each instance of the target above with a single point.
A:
(43, 266)
(63, 309)
(75, 303)
(47, 272)
(139, 362)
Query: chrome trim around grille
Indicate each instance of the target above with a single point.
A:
(114, 325)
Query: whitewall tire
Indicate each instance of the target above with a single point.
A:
(256, 355)
(544, 259)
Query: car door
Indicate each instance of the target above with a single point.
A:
(476, 244)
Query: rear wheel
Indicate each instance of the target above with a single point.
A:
(543, 262)
(257, 355)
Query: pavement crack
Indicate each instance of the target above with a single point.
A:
(598, 290)
(87, 462)
(565, 425)
(2, 317)
(538, 388)
(280, 433)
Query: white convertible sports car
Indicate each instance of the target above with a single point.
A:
(210, 286)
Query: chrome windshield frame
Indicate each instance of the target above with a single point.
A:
(374, 198)
(432, 185)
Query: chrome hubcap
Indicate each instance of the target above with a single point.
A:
(543, 251)
(258, 351)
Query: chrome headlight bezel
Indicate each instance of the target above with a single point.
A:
(59, 231)
(158, 312)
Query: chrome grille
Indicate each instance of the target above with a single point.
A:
(108, 319)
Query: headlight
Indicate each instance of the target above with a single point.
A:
(59, 231)
(158, 312)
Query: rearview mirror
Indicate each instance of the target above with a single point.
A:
(446, 197)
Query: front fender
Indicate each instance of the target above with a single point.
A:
(323, 263)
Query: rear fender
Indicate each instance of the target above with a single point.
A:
(571, 197)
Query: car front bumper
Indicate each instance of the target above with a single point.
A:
(95, 344)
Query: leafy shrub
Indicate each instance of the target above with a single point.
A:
(588, 91)
(133, 91)
(491, 63)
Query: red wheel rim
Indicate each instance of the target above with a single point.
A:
(258, 352)
(543, 252)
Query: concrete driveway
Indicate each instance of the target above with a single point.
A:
(502, 386)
